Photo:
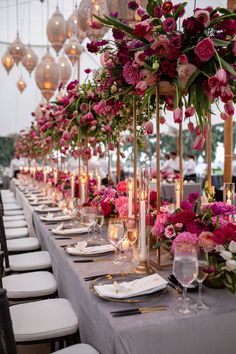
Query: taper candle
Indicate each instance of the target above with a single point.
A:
(143, 247)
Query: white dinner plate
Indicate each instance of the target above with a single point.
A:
(55, 218)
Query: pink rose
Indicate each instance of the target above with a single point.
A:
(169, 231)
(141, 87)
(204, 16)
(178, 115)
(185, 71)
(100, 107)
(130, 74)
(84, 107)
(205, 49)
(161, 46)
(169, 24)
(183, 59)
(199, 143)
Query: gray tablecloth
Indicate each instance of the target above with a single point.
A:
(168, 190)
(168, 332)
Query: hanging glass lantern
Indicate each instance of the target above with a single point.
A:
(73, 49)
(30, 60)
(126, 15)
(21, 84)
(7, 61)
(17, 50)
(92, 27)
(73, 27)
(47, 76)
(65, 69)
(56, 30)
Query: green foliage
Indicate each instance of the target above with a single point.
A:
(6, 150)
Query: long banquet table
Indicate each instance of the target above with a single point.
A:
(167, 332)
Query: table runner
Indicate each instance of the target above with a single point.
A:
(168, 332)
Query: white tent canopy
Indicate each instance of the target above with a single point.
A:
(16, 108)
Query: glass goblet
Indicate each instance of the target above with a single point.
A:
(202, 274)
(185, 269)
(115, 235)
(88, 216)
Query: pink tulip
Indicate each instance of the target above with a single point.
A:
(226, 94)
(148, 126)
(229, 108)
(95, 24)
(190, 126)
(222, 77)
(178, 115)
(199, 143)
(141, 87)
(162, 120)
(190, 111)
(224, 116)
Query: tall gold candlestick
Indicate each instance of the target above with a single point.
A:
(180, 162)
(158, 171)
(135, 157)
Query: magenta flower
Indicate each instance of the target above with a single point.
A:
(132, 5)
(203, 16)
(229, 108)
(205, 49)
(87, 71)
(100, 107)
(149, 129)
(226, 94)
(185, 71)
(178, 115)
(190, 111)
(183, 59)
(141, 87)
(169, 24)
(185, 238)
(130, 74)
(199, 142)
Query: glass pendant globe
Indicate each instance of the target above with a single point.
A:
(21, 85)
(64, 68)
(47, 76)
(17, 50)
(30, 60)
(92, 27)
(73, 27)
(7, 61)
(56, 30)
(73, 49)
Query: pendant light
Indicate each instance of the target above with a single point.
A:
(30, 59)
(21, 84)
(17, 48)
(73, 26)
(73, 49)
(64, 69)
(47, 75)
(56, 30)
(7, 61)
(87, 9)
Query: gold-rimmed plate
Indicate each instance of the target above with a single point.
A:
(124, 277)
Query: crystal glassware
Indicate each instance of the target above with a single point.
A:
(202, 274)
(115, 235)
(185, 269)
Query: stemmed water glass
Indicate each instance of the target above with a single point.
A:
(99, 220)
(115, 235)
(88, 216)
(185, 269)
(202, 274)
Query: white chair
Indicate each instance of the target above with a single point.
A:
(13, 212)
(26, 262)
(13, 218)
(77, 349)
(16, 233)
(26, 244)
(15, 224)
(29, 285)
(11, 206)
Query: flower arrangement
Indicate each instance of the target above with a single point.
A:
(198, 59)
(206, 225)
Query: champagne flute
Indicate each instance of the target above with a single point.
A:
(185, 269)
(115, 235)
(202, 274)
(99, 222)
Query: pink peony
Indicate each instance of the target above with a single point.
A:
(205, 241)
(199, 142)
(169, 231)
(205, 49)
(185, 238)
(130, 74)
(123, 211)
(204, 16)
(160, 225)
(161, 46)
(185, 71)
(178, 115)
(119, 202)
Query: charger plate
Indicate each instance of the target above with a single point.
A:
(121, 277)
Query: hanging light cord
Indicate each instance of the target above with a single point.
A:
(17, 17)
(29, 16)
(47, 22)
(195, 5)
(8, 20)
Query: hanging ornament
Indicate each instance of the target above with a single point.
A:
(17, 50)
(73, 26)
(21, 84)
(56, 30)
(73, 49)
(30, 60)
(47, 76)
(92, 27)
(124, 13)
(7, 61)
(65, 69)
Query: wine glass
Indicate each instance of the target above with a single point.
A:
(202, 274)
(88, 216)
(115, 235)
(185, 269)
(99, 220)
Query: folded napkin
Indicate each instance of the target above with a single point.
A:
(52, 217)
(77, 230)
(82, 249)
(126, 289)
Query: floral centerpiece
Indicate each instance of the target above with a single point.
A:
(206, 225)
